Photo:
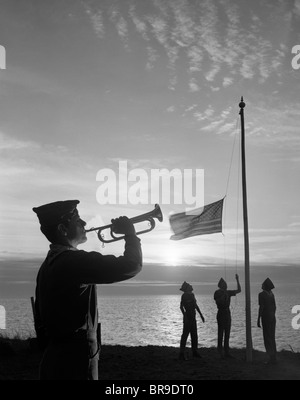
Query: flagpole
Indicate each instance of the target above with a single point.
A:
(246, 239)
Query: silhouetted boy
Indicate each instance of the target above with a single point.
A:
(188, 307)
(266, 314)
(222, 298)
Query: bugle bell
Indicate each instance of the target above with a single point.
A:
(150, 216)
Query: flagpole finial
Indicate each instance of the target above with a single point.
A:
(242, 103)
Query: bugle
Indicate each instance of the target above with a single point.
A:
(155, 213)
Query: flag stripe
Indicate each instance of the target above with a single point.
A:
(206, 222)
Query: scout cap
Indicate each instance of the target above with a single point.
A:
(54, 213)
(222, 284)
(185, 286)
(268, 284)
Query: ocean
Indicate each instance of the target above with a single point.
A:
(157, 320)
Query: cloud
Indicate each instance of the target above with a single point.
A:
(211, 34)
(297, 7)
(190, 108)
(234, 49)
(227, 81)
(9, 143)
(247, 67)
(195, 56)
(96, 20)
(295, 225)
(22, 160)
(122, 29)
(30, 175)
(228, 127)
(159, 29)
(213, 126)
(120, 24)
(266, 244)
(218, 124)
(280, 128)
(210, 75)
(193, 86)
(140, 25)
(183, 32)
(152, 57)
(171, 109)
(276, 127)
(202, 116)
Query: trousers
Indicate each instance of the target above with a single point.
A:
(189, 328)
(269, 327)
(224, 328)
(70, 359)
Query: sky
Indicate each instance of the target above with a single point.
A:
(156, 84)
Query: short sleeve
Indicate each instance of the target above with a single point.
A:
(231, 293)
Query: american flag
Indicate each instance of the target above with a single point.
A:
(201, 221)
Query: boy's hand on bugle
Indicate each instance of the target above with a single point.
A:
(123, 225)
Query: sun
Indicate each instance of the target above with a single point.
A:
(172, 255)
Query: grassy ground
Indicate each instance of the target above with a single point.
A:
(19, 361)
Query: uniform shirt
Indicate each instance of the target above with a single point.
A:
(189, 303)
(266, 300)
(66, 293)
(223, 297)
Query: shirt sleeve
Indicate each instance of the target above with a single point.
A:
(94, 268)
